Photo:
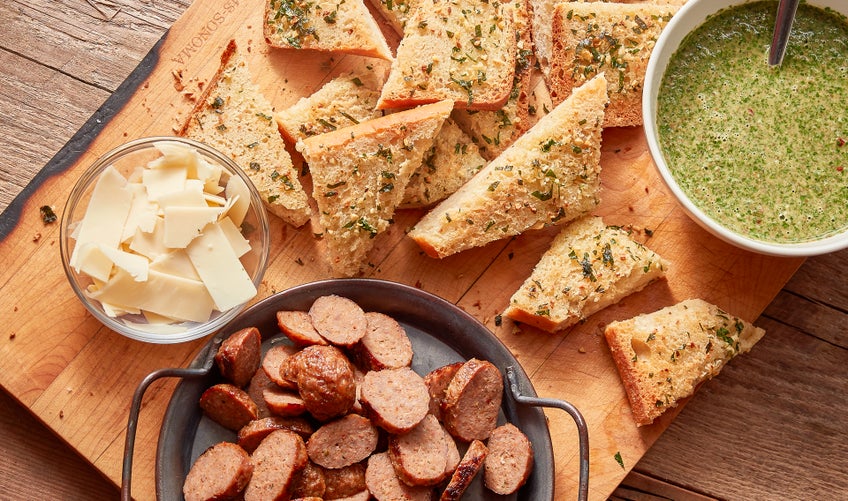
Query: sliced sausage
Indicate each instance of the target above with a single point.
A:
(338, 319)
(221, 472)
(257, 385)
(385, 344)
(395, 399)
(420, 456)
(472, 401)
(239, 355)
(384, 484)
(273, 361)
(325, 381)
(309, 482)
(510, 460)
(275, 463)
(228, 405)
(437, 381)
(468, 468)
(255, 431)
(283, 402)
(453, 456)
(359, 496)
(297, 326)
(342, 442)
(343, 483)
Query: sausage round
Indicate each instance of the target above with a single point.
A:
(297, 326)
(239, 355)
(420, 456)
(250, 436)
(342, 442)
(468, 468)
(338, 319)
(228, 405)
(385, 344)
(472, 401)
(221, 472)
(275, 358)
(384, 484)
(510, 460)
(395, 399)
(325, 381)
(275, 463)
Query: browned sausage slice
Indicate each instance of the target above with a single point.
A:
(420, 456)
(468, 468)
(342, 442)
(325, 381)
(343, 483)
(338, 319)
(275, 463)
(309, 482)
(395, 399)
(257, 385)
(228, 405)
(437, 381)
(221, 472)
(510, 460)
(273, 361)
(282, 402)
(297, 326)
(472, 401)
(385, 344)
(384, 485)
(255, 431)
(359, 496)
(239, 355)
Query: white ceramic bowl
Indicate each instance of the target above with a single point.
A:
(688, 18)
(126, 159)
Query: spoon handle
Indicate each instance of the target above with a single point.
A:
(782, 25)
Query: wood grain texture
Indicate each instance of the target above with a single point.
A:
(58, 70)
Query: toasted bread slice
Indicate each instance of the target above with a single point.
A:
(343, 101)
(588, 267)
(494, 131)
(327, 25)
(452, 160)
(359, 175)
(615, 39)
(235, 118)
(663, 356)
(550, 175)
(465, 53)
(396, 12)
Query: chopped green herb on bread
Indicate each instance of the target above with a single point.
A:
(588, 267)
(615, 39)
(550, 175)
(450, 162)
(344, 26)
(359, 174)
(495, 130)
(663, 356)
(235, 118)
(343, 101)
(450, 50)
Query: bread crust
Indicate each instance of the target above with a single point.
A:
(594, 38)
(662, 357)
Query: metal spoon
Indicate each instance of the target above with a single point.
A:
(782, 26)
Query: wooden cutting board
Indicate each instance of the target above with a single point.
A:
(78, 377)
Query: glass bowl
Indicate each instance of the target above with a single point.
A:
(157, 242)
(690, 17)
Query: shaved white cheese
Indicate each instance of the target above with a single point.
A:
(166, 243)
(167, 295)
(220, 269)
(104, 219)
(184, 224)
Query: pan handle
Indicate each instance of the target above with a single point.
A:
(132, 422)
(582, 429)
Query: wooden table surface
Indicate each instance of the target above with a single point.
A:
(773, 425)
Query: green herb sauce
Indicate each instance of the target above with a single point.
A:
(761, 150)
